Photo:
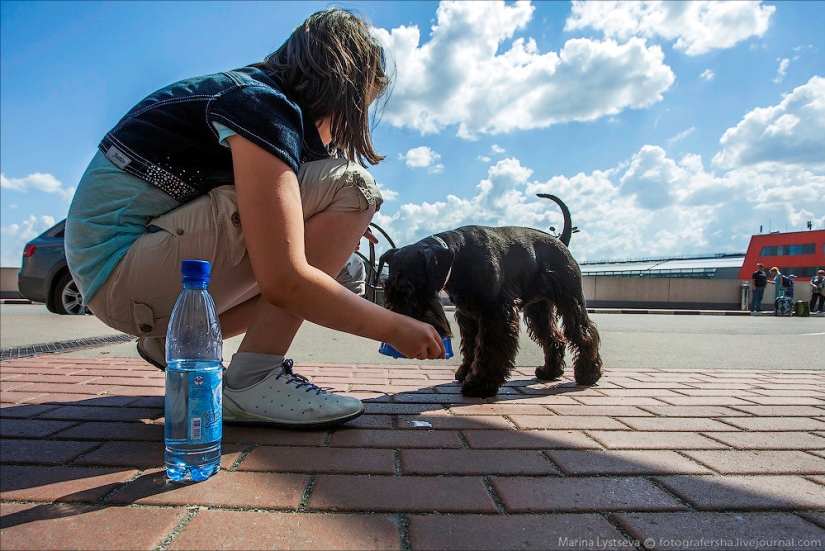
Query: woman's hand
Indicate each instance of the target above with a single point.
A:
(416, 339)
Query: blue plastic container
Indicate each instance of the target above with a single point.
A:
(388, 350)
(194, 375)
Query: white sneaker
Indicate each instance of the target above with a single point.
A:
(153, 350)
(287, 400)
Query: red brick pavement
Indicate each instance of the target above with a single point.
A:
(647, 459)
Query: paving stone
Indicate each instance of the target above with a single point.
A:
(647, 392)
(371, 422)
(31, 428)
(89, 413)
(529, 440)
(489, 533)
(42, 452)
(246, 530)
(143, 455)
(58, 527)
(746, 492)
(499, 408)
(770, 440)
(632, 401)
(22, 411)
(17, 397)
(623, 462)
(478, 462)
(744, 394)
(782, 411)
(633, 440)
(694, 411)
(224, 489)
(106, 431)
(60, 377)
(454, 422)
(402, 409)
(84, 400)
(267, 436)
(582, 494)
(677, 424)
(432, 398)
(129, 381)
(776, 423)
(139, 391)
(816, 518)
(566, 422)
(413, 494)
(759, 461)
(721, 531)
(707, 401)
(319, 460)
(609, 411)
(67, 484)
(66, 388)
(365, 438)
(786, 400)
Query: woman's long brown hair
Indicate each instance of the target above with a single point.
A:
(333, 66)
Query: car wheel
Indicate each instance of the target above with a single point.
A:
(67, 298)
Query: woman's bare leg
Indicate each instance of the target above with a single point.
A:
(330, 238)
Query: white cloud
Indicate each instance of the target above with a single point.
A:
(707, 74)
(697, 27)
(497, 149)
(15, 237)
(651, 205)
(37, 181)
(387, 194)
(466, 75)
(792, 132)
(422, 157)
(782, 70)
(681, 135)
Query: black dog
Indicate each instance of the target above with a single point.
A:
(490, 274)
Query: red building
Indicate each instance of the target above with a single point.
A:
(799, 253)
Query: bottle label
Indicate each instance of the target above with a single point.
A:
(205, 406)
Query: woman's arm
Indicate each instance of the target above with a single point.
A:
(269, 203)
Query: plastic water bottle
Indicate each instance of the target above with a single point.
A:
(194, 376)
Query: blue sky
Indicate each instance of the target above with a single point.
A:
(668, 129)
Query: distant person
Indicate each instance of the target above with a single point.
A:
(760, 281)
(818, 292)
(780, 304)
(261, 171)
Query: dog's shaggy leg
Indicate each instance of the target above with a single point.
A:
(583, 336)
(468, 329)
(495, 353)
(543, 330)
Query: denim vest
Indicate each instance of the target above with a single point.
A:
(168, 139)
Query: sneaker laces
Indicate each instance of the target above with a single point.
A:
(299, 380)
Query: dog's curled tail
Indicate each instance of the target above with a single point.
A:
(567, 231)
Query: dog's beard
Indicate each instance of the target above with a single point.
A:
(404, 298)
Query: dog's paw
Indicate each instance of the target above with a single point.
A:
(461, 373)
(474, 387)
(549, 373)
(588, 377)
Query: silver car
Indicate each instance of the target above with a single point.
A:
(45, 276)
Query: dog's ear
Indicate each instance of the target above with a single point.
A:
(385, 259)
(438, 262)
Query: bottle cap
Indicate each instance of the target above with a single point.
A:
(195, 270)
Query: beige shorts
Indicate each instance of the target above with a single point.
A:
(138, 296)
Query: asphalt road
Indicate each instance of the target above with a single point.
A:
(628, 340)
